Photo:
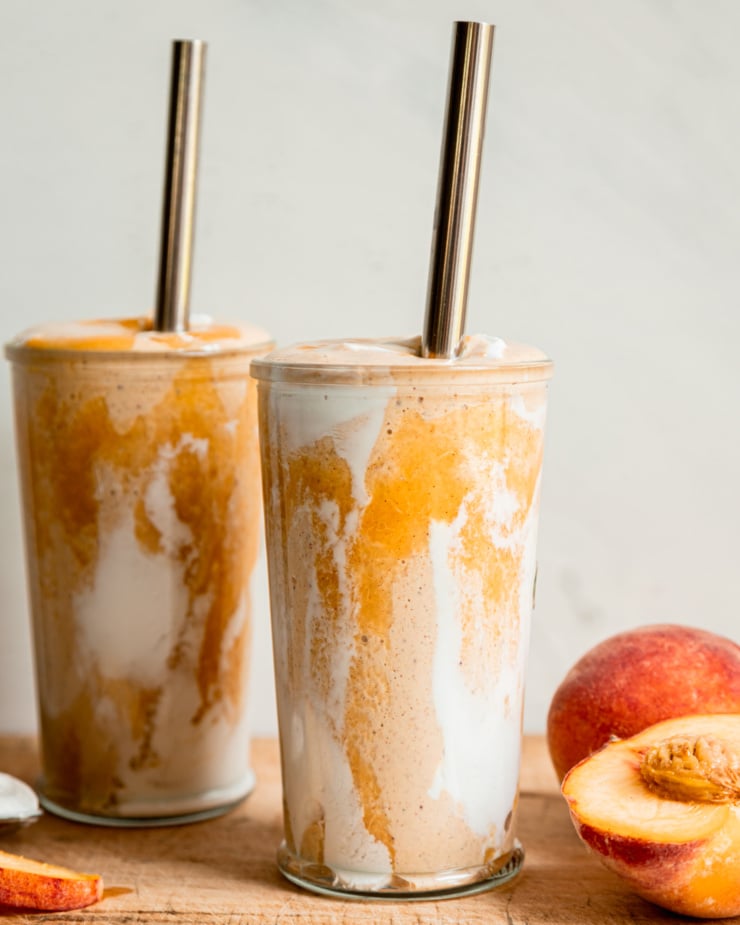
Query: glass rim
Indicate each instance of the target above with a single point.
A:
(26, 354)
(439, 372)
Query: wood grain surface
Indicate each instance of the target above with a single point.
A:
(222, 872)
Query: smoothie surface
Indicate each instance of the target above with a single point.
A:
(135, 335)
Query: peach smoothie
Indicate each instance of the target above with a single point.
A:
(139, 465)
(401, 499)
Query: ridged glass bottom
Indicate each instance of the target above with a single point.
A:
(163, 812)
(447, 884)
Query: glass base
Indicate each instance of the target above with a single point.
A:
(448, 884)
(142, 815)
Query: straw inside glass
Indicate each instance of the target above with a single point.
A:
(178, 208)
(457, 189)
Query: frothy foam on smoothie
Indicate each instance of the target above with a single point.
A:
(474, 349)
(136, 335)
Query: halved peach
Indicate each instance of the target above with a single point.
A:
(662, 810)
(27, 884)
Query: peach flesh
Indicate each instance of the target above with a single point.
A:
(680, 854)
(638, 678)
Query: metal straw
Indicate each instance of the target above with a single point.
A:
(457, 190)
(178, 209)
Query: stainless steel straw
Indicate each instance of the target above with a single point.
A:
(178, 208)
(457, 190)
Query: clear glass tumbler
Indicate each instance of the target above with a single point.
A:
(401, 498)
(139, 468)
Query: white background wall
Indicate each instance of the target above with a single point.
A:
(608, 234)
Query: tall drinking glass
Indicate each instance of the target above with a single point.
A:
(139, 467)
(401, 498)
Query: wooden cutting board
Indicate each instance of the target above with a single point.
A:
(222, 872)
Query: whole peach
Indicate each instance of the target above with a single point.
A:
(637, 678)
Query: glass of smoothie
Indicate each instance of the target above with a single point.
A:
(401, 484)
(139, 468)
(401, 497)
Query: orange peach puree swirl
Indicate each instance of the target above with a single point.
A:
(421, 471)
(75, 445)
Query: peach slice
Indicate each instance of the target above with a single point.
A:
(27, 884)
(662, 810)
